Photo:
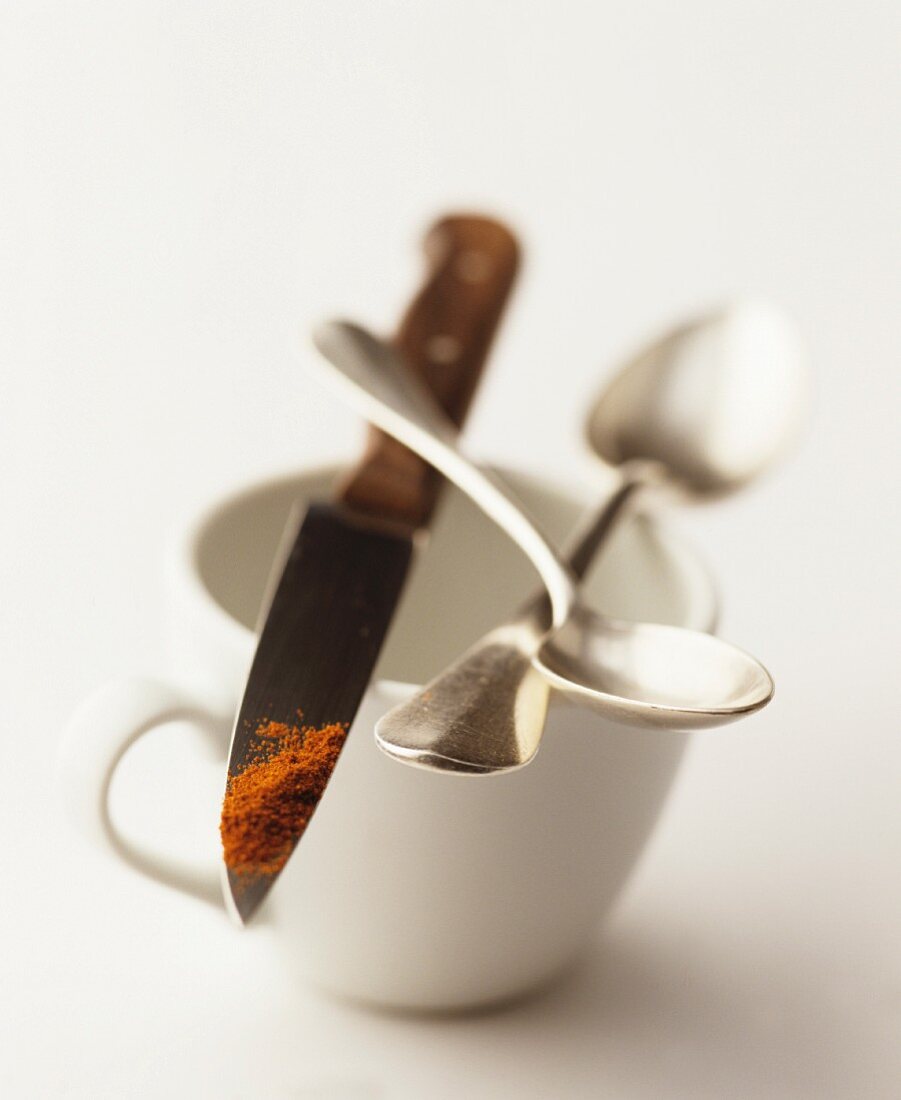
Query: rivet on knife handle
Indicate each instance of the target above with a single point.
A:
(444, 338)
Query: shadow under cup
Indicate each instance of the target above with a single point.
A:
(421, 890)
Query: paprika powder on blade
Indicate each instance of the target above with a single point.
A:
(269, 803)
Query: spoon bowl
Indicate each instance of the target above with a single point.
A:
(652, 675)
(713, 404)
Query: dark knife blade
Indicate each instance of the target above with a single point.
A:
(344, 575)
(321, 639)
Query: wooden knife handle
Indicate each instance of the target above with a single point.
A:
(445, 338)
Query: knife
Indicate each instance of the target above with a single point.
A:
(344, 574)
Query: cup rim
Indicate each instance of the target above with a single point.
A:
(703, 603)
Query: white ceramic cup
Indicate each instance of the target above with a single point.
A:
(410, 889)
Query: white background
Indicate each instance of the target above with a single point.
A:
(187, 185)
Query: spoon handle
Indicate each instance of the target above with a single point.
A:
(587, 541)
(582, 550)
(369, 375)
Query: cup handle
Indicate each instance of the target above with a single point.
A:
(95, 740)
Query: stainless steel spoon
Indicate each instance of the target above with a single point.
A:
(486, 712)
(645, 681)
(702, 412)
(670, 416)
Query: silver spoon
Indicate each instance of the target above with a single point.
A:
(702, 412)
(644, 681)
(486, 712)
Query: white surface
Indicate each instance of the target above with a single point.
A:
(184, 185)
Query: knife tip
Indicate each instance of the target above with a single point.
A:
(243, 895)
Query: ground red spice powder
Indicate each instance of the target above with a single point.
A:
(268, 805)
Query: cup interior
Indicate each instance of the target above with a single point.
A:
(467, 576)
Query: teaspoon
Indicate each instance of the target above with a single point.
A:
(704, 410)
(652, 675)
